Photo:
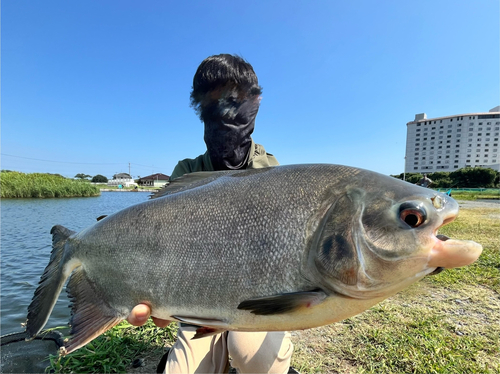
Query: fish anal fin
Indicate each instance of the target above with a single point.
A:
(91, 316)
(283, 303)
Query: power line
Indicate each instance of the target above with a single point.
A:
(66, 162)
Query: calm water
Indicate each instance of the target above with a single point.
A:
(26, 246)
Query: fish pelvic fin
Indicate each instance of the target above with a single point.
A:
(204, 332)
(91, 316)
(284, 303)
(50, 285)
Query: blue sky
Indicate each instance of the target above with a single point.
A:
(89, 86)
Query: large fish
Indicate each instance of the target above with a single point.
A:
(284, 248)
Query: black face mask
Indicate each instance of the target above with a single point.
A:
(228, 126)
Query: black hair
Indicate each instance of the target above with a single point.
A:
(220, 71)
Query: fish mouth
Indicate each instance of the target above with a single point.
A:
(450, 253)
(440, 268)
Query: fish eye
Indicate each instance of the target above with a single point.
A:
(412, 214)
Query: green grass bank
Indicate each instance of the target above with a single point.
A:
(447, 323)
(14, 184)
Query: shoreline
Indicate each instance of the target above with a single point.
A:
(125, 190)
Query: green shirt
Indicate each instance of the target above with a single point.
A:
(259, 158)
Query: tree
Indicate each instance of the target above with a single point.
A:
(83, 176)
(99, 179)
(474, 177)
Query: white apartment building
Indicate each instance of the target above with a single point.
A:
(453, 142)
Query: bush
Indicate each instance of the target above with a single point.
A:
(463, 178)
(19, 185)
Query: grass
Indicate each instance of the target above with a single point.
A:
(116, 350)
(14, 184)
(448, 323)
(475, 194)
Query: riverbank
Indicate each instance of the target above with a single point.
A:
(15, 185)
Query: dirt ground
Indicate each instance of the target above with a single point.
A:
(494, 204)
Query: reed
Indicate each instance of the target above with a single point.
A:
(14, 184)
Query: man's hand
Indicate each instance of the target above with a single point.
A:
(140, 314)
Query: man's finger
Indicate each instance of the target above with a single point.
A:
(139, 315)
(161, 322)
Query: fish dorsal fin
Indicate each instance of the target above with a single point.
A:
(189, 181)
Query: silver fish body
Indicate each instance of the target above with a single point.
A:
(282, 248)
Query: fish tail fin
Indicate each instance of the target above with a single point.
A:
(91, 316)
(50, 285)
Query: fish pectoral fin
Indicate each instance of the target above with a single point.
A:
(90, 315)
(283, 303)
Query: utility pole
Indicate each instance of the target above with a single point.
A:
(129, 169)
(404, 172)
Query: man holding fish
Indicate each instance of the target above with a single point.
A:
(226, 96)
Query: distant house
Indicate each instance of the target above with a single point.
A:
(154, 180)
(123, 179)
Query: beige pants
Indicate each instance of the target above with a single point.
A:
(250, 352)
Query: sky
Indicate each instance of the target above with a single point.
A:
(96, 87)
